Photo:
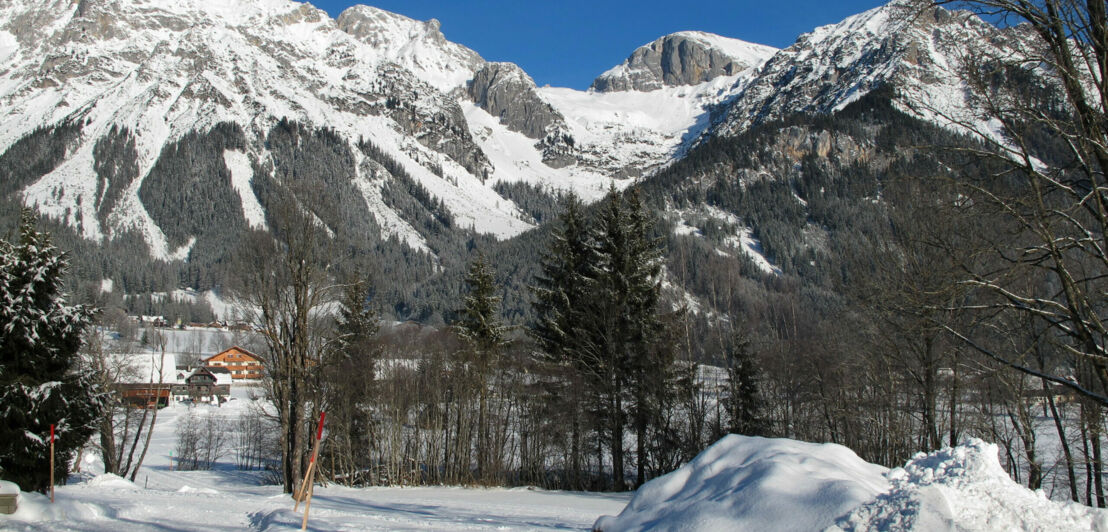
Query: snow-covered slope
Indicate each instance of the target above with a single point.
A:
(124, 92)
(165, 70)
(416, 45)
(132, 79)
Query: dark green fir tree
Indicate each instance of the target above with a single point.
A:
(41, 383)
(743, 401)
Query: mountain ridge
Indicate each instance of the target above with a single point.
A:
(422, 149)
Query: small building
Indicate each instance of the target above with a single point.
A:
(242, 364)
(143, 379)
(204, 385)
(144, 395)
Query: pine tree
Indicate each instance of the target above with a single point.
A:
(41, 382)
(561, 293)
(357, 322)
(350, 383)
(480, 323)
(744, 401)
(485, 338)
(622, 340)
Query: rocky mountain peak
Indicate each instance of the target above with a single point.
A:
(683, 58)
(505, 91)
(419, 46)
(919, 52)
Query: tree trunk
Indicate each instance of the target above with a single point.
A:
(1062, 438)
(618, 482)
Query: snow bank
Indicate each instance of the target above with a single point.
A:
(36, 508)
(109, 480)
(751, 483)
(190, 489)
(965, 488)
(8, 488)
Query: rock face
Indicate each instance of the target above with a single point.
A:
(505, 91)
(685, 58)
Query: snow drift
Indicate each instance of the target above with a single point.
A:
(751, 483)
(965, 488)
(748, 483)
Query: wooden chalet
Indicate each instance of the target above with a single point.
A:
(242, 364)
(204, 385)
(144, 395)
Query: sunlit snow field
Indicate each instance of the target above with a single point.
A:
(229, 499)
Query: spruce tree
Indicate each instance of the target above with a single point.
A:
(485, 337)
(744, 401)
(357, 321)
(479, 322)
(351, 395)
(561, 291)
(562, 288)
(622, 340)
(41, 382)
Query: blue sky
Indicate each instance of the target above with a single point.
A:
(567, 43)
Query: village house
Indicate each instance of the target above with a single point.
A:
(203, 385)
(156, 381)
(242, 364)
(144, 395)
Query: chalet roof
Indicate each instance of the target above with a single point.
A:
(221, 375)
(234, 348)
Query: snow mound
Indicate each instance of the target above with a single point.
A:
(190, 489)
(110, 480)
(8, 488)
(964, 488)
(35, 507)
(752, 483)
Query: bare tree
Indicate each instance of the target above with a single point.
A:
(284, 289)
(123, 429)
(1043, 145)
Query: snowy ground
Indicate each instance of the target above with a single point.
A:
(229, 499)
(740, 483)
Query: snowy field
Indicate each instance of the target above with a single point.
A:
(740, 483)
(226, 498)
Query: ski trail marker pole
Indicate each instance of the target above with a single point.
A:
(311, 473)
(303, 491)
(51, 463)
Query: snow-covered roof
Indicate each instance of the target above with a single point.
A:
(222, 375)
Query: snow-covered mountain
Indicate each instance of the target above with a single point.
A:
(918, 52)
(682, 58)
(184, 122)
(131, 80)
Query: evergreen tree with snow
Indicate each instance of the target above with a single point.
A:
(41, 382)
